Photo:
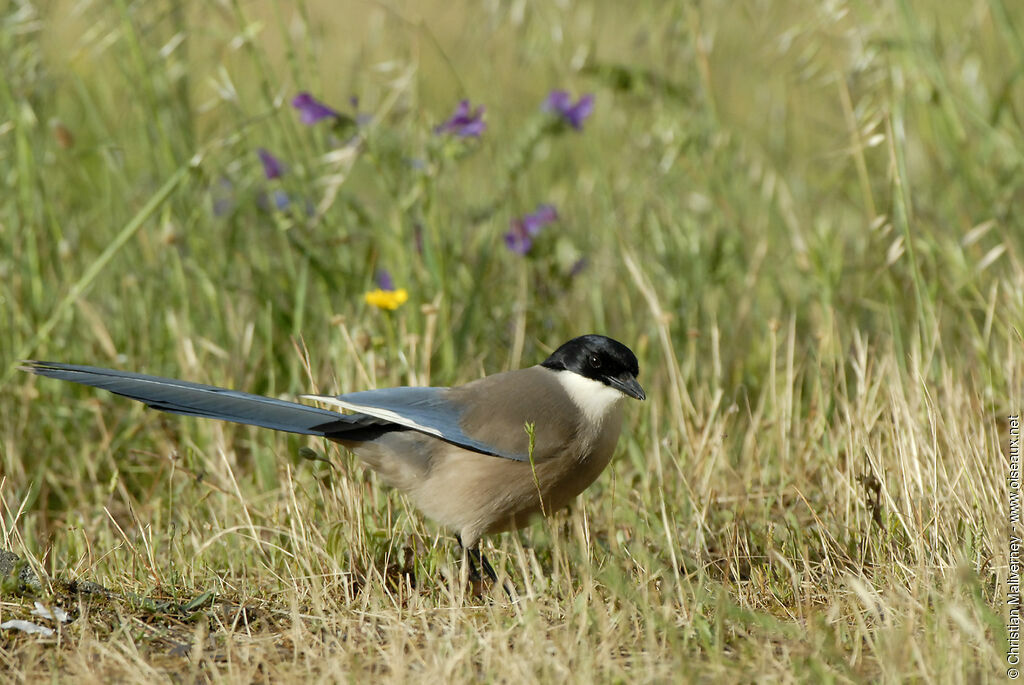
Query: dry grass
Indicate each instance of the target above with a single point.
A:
(802, 221)
(868, 554)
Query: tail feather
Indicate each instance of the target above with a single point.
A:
(208, 401)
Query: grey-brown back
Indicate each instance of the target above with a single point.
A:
(477, 493)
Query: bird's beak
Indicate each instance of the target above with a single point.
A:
(629, 385)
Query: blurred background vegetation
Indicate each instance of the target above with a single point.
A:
(818, 200)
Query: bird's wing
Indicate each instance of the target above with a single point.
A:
(430, 410)
(483, 415)
(500, 407)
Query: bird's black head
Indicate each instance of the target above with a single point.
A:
(601, 359)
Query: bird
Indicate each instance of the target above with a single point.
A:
(480, 458)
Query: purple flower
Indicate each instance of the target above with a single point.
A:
(272, 167)
(518, 242)
(559, 102)
(277, 199)
(384, 280)
(281, 200)
(523, 230)
(463, 123)
(312, 110)
(543, 215)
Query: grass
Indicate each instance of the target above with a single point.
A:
(801, 216)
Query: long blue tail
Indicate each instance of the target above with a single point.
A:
(211, 402)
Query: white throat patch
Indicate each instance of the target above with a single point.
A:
(594, 398)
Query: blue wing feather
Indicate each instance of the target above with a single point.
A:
(430, 409)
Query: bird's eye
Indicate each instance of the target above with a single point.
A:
(595, 361)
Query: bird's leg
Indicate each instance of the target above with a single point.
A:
(472, 556)
(475, 556)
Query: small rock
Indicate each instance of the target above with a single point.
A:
(11, 563)
(27, 627)
(52, 613)
(87, 587)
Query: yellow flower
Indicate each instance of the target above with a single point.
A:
(387, 299)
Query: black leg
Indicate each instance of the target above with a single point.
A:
(471, 560)
(475, 557)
